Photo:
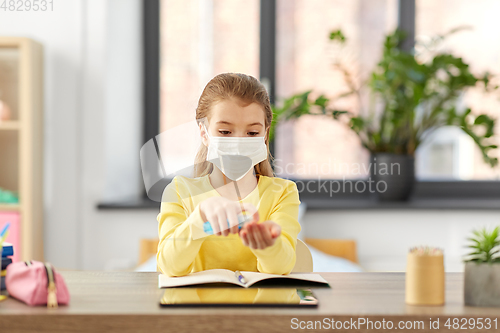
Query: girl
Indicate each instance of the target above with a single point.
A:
(238, 113)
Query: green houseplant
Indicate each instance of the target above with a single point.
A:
(409, 99)
(482, 269)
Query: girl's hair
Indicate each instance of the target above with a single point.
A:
(248, 90)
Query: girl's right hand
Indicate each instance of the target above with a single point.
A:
(218, 211)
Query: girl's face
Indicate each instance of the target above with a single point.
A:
(229, 118)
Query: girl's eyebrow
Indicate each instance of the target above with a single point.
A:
(224, 122)
(228, 123)
(253, 124)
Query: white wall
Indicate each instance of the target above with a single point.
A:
(385, 236)
(92, 140)
(123, 102)
(62, 34)
(92, 128)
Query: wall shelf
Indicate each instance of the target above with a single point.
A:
(10, 207)
(21, 140)
(9, 125)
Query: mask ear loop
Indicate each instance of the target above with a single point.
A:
(208, 135)
(225, 179)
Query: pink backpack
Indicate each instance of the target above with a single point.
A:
(36, 283)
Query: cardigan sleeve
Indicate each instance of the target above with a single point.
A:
(180, 234)
(280, 257)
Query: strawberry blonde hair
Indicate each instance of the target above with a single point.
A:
(248, 90)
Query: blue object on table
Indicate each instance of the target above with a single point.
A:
(207, 228)
(8, 250)
(5, 262)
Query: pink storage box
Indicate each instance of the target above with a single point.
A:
(14, 236)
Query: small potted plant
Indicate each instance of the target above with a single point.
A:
(482, 269)
(411, 96)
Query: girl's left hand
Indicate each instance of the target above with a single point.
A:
(259, 236)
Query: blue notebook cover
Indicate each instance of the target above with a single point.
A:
(6, 262)
(8, 250)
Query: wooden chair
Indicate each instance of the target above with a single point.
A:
(304, 260)
(344, 248)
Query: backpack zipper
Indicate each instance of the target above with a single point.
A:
(51, 287)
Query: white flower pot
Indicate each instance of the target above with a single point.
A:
(482, 284)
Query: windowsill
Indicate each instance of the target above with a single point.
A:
(134, 204)
(419, 204)
(348, 204)
(430, 195)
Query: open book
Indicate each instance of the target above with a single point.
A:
(227, 276)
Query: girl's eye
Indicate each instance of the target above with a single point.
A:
(253, 133)
(224, 132)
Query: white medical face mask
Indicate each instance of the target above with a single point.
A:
(236, 156)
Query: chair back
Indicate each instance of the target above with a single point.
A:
(304, 261)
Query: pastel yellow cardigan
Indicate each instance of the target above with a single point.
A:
(184, 248)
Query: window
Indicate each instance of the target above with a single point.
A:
(201, 38)
(451, 154)
(315, 146)
(198, 40)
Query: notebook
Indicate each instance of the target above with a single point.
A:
(229, 277)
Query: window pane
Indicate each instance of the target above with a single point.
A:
(452, 154)
(200, 39)
(317, 146)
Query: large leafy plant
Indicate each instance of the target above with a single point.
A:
(485, 246)
(409, 99)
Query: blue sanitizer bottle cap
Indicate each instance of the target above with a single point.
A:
(207, 228)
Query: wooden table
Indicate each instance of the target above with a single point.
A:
(128, 302)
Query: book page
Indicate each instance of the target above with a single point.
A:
(254, 277)
(208, 276)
